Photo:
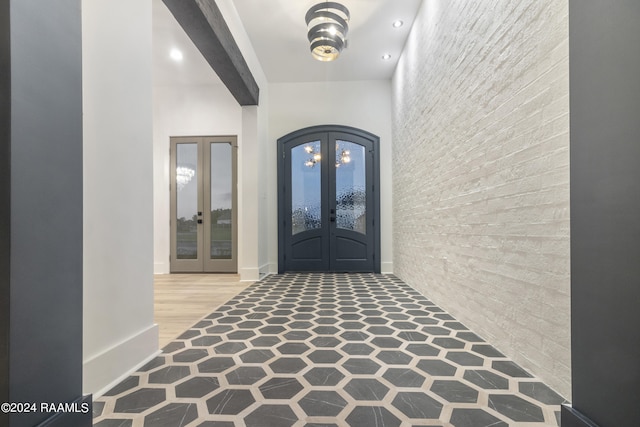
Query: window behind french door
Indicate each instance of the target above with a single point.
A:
(204, 204)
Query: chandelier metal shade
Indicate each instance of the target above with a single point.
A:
(327, 25)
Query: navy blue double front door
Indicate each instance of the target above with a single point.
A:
(328, 200)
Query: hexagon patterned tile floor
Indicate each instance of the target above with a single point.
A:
(327, 350)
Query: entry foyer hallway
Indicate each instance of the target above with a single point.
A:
(326, 350)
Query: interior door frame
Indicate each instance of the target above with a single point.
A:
(204, 263)
(282, 180)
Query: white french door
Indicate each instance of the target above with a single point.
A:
(204, 204)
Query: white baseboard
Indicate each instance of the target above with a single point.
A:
(267, 269)
(249, 274)
(386, 267)
(103, 371)
(161, 268)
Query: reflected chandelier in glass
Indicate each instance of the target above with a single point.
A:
(343, 155)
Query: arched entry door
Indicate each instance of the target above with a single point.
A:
(328, 203)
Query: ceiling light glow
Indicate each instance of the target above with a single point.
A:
(386, 56)
(176, 55)
(397, 24)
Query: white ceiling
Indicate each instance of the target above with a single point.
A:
(168, 35)
(278, 33)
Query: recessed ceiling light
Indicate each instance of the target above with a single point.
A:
(176, 55)
(386, 56)
(397, 24)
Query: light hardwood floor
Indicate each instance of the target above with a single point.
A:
(181, 300)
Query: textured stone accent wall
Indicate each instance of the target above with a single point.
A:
(481, 173)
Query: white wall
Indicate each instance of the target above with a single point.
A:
(361, 104)
(119, 332)
(211, 110)
(252, 177)
(184, 110)
(481, 173)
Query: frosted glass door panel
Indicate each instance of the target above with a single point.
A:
(306, 193)
(351, 195)
(187, 201)
(221, 201)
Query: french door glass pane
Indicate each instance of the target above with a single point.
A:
(221, 201)
(187, 201)
(351, 196)
(305, 187)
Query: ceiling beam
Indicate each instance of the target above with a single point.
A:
(204, 24)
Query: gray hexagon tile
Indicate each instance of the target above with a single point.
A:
(404, 377)
(206, 341)
(394, 357)
(245, 375)
(324, 376)
(172, 415)
(486, 380)
(293, 348)
(215, 365)
(256, 356)
(367, 416)
(470, 417)
(287, 365)
(464, 358)
(328, 350)
(541, 392)
(169, 374)
(230, 401)
(417, 405)
(114, 423)
(322, 403)
(140, 400)
(357, 349)
(366, 389)
(437, 368)
(361, 366)
(271, 415)
(516, 408)
(455, 391)
(280, 388)
(217, 424)
(125, 385)
(197, 387)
